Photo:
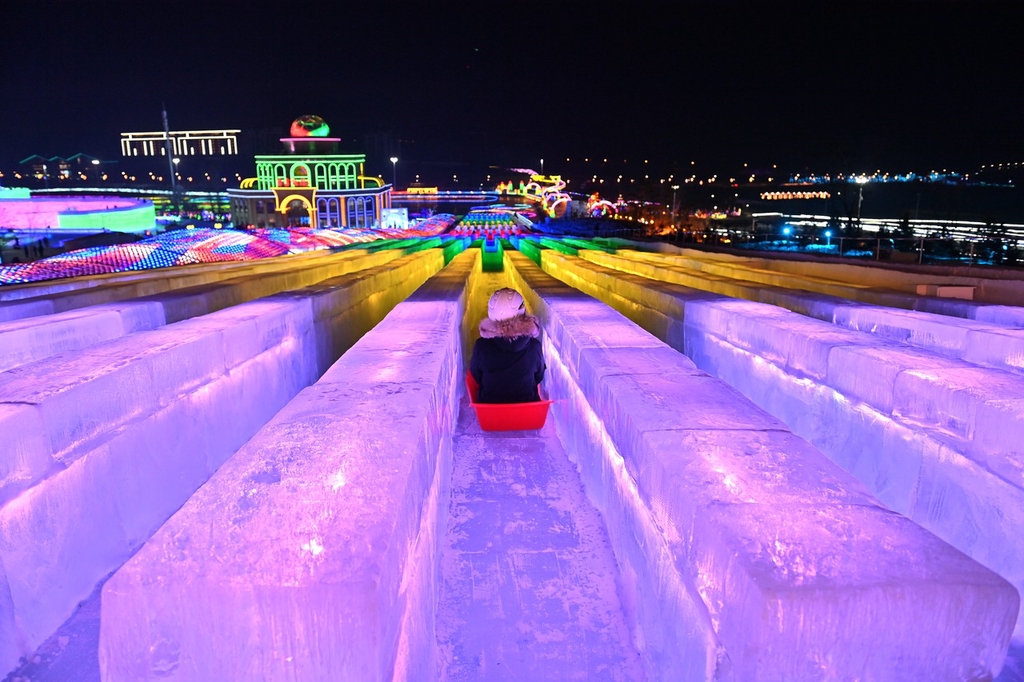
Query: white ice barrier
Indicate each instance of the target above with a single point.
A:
(101, 448)
(34, 338)
(801, 573)
(312, 553)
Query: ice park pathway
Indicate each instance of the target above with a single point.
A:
(528, 579)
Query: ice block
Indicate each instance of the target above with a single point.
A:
(105, 444)
(312, 553)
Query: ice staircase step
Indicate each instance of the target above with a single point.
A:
(312, 552)
(99, 449)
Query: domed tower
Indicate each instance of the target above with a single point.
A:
(310, 184)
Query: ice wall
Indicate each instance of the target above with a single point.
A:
(43, 298)
(801, 292)
(931, 436)
(312, 553)
(935, 438)
(100, 448)
(38, 337)
(998, 287)
(976, 341)
(802, 574)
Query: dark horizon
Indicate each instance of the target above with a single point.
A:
(856, 87)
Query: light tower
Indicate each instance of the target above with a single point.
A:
(394, 172)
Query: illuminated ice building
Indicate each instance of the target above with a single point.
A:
(310, 184)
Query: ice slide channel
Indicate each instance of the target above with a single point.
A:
(743, 553)
(102, 445)
(53, 296)
(996, 299)
(934, 438)
(985, 343)
(34, 338)
(997, 291)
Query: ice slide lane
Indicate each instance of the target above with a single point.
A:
(54, 296)
(985, 343)
(891, 288)
(34, 338)
(528, 580)
(758, 522)
(934, 438)
(101, 446)
(997, 291)
(743, 552)
(375, 496)
(194, 273)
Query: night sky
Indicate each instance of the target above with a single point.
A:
(823, 87)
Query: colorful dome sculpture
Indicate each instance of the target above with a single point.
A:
(310, 126)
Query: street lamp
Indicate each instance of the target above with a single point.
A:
(542, 166)
(861, 181)
(394, 172)
(175, 196)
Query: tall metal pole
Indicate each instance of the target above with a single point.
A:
(170, 160)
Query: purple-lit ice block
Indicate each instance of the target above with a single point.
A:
(104, 445)
(801, 573)
(312, 553)
(934, 437)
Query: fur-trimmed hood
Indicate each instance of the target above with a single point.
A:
(521, 325)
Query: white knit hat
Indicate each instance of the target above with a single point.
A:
(505, 304)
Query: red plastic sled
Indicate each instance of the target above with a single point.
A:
(507, 416)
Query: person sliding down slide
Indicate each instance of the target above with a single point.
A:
(507, 361)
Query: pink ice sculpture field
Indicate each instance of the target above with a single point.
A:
(752, 470)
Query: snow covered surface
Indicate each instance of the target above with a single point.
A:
(311, 553)
(802, 574)
(101, 446)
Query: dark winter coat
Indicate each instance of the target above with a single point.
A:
(507, 361)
